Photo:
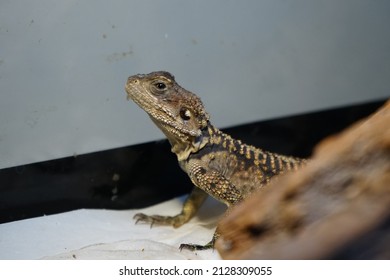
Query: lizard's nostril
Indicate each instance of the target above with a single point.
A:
(132, 80)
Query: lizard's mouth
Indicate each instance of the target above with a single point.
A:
(128, 97)
(135, 94)
(147, 104)
(130, 92)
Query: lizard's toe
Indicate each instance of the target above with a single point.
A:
(152, 219)
(196, 247)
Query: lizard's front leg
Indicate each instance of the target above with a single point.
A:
(190, 207)
(214, 183)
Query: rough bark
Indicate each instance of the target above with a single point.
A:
(337, 206)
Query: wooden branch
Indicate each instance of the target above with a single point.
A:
(338, 200)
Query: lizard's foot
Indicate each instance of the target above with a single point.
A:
(157, 219)
(197, 247)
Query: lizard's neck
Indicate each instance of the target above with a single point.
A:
(210, 135)
(183, 149)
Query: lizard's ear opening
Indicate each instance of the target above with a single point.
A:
(185, 114)
(189, 121)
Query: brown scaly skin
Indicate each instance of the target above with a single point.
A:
(217, 164)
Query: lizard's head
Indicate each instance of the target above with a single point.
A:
(177, 112)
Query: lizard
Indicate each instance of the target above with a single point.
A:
(217, 164)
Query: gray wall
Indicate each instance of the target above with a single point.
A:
(63, 65)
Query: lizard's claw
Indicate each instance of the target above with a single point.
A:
(152, 219)
(197, 247)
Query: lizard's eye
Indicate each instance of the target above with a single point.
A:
(185, 114)
(159, 87)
